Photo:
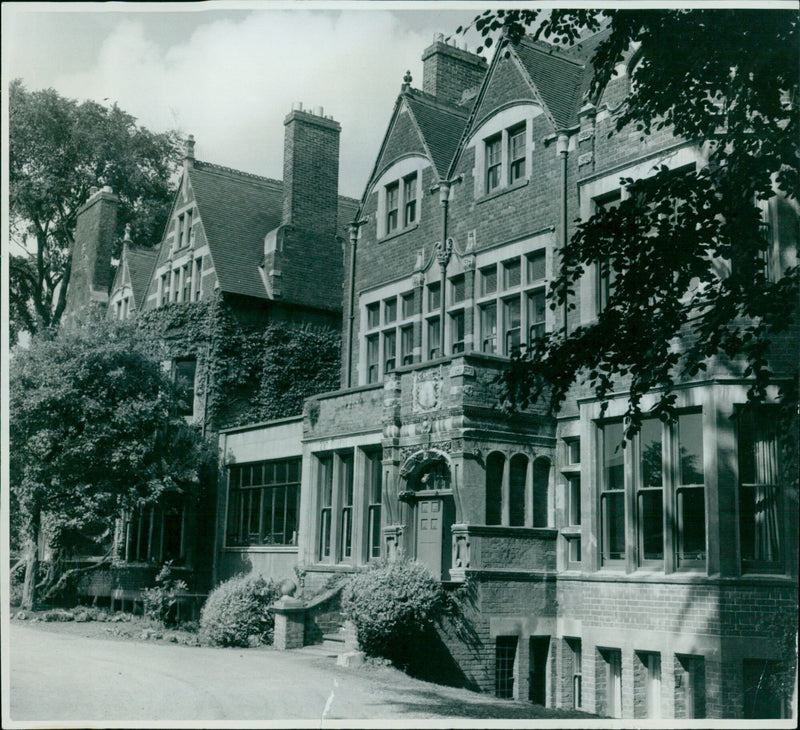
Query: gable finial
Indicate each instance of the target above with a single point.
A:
(127, 237)
(406, 81)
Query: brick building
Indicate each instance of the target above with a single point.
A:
(268, 250)
(600, 581)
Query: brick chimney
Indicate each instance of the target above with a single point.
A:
(311, 170)
(91, 275)
(303, 255)
(448, 71)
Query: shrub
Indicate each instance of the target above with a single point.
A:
(160, 600)
(235, 613)
(393, 605)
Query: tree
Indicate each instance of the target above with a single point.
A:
(58, 150)
(92, 433)
(687, 251)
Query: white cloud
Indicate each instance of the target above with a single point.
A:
(231, 82)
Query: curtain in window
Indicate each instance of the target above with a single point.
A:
(765, 453)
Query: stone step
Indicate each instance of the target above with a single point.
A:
(330, 649)
(335, 636)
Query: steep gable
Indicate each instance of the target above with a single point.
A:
(504, 82)
(402, 138)
(139, 263)
(440, 126)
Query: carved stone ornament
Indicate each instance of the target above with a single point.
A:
(427, 390)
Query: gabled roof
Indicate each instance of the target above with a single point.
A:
(140, 263)
(557, 79)
(440, 125)
(237, 210)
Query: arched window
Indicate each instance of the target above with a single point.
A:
(541, 492)
(494, 488)
(516, 493)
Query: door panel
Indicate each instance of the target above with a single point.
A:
(429, 535)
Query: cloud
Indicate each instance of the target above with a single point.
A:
(232, 81)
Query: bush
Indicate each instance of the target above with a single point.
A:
(235, 613)
(161, 600)
(393, 605)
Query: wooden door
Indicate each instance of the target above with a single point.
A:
(429, 534)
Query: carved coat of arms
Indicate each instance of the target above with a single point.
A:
(427, 390)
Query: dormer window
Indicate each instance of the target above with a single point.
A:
(399, 196)
(505, 155)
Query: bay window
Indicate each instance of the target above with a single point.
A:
(664, 477)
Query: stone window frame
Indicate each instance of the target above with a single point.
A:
(376, 324)
(497, 261)
(339, 507)
(395, 178)
(633, 557)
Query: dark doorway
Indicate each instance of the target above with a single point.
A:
(537, 688)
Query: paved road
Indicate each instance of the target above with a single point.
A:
(60, 677)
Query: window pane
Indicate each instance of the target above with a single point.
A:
(372, 359)
(690, 440)
(536, 266)
(390, 310)
(692, 523)
(373, 315)
(536, 315)
(614, 525)
(433, 338)
(457, 331)
(391, 206)
(389, 350)
(512, 324)
(489, 328)
(489, 280)
(434, 301)
(512, 273)
(410, 198)
(574, 487)
(651, 523)
(408, 305)
(613, 457)
(493, 163)
(407, 345)
(650, 447)
(516, 153)
(457, 289)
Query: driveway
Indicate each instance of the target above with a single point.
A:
(58, 677)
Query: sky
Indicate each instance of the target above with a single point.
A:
(228, 73)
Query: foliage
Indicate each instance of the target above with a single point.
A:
(248, 372)
(161, 599)
(235, 613)
(91, 433)
(58, 150)
(392, 604)
(687, 250)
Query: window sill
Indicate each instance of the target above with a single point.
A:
(501, 191)
(397, 234)
(262, 549)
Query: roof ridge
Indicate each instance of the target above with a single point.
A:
(435, 101)
(213, 167)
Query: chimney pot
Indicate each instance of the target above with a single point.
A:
(438, 37)
(319, 111)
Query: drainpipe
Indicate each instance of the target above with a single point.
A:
(351, 304)
(562, 146)
(444, 252)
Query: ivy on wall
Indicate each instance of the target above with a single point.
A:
(246, 372)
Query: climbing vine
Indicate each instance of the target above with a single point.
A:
(247, 371)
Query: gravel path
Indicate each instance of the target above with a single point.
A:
(57, 676)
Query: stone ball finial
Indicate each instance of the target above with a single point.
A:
(127, 232)
(407, 80)
(288, 587)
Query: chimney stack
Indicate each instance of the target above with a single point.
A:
(188, 153)
(91, 277)
(311, 171)
(448, 71)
